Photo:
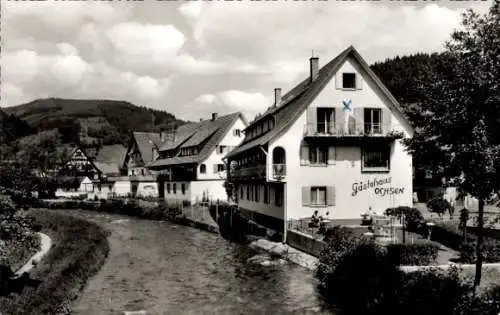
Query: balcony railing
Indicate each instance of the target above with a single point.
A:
(341, 130)
(279, 171)
(254, 171)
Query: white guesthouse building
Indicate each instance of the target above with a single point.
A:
(329, 144)
(190, 166)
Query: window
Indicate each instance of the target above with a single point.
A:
(318, 155)
(248, 192)
(220, 149)
(142, 172)
(133, 172)
(266, 194)
(376, 159)
(348, 80)
(373, 120)
(257, 188)
(237, 132)
(318, 196)
(203, 169)
(241, 192)
(220, 168)
(174, 188)
(183, 189)
(168, 188)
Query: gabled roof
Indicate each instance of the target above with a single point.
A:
(146, 141)
(113, 154)
(182, 134)
(296, 101)
(108, 168)
(208, 134)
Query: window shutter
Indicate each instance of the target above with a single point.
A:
(359, 119)
(339, 118)
(359, 82)
(331, 155)
(338, 80)
(306, 196)
(311, 119)
(330, 196)
(386, 120)
(304, 155)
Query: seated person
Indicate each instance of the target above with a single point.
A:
(315, 219)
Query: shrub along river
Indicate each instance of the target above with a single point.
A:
(164, 268)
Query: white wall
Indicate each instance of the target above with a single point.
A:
(122, 188)
(147, 189)
(347, 168)
(214, 189)
(269, 209)
(216, 158)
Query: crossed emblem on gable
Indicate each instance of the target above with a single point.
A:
(347, 105)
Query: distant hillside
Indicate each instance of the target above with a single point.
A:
(403, 75)
(12, 127)
(110, 121)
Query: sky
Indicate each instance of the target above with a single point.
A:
(193, 58)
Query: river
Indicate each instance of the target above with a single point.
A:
(163, 268)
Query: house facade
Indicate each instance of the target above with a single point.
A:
(143, 149)
(190, 167)
(330, 144)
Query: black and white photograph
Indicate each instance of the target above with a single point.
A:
(164, 157)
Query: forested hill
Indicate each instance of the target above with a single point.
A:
(403, 76)
(111, 121)
(12, 127)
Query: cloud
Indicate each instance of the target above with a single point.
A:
(192, 10)
(229, 101)
(199, 57)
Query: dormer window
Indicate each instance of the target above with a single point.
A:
(348, 80)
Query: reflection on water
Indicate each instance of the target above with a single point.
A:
(168, 269)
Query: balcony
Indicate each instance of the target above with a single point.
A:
(351, 130)
(249, 172)
(279, 171)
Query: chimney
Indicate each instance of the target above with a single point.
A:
(277, 96)
(214, 116)
(314, 68)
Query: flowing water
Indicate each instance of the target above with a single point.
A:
(163, 268)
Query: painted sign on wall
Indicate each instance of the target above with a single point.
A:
(377, 185)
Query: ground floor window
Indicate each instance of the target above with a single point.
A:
(174, 188)
(266, 194)
(318, 196)
(168, 188)
(241, 192)
(376, 158)
(183, 189)
(256, 193)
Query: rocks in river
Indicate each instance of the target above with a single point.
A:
(120, 221)
(266, 260)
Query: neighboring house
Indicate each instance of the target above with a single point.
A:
(143, 149)
(79, 164)
(191, 167)
(108, 161)
(73, 186)
(329, 144)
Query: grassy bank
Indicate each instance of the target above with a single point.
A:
(17, 252)
(80, 249)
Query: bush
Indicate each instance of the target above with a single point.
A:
(358, 287)
(448, 234)
(439, 205)
(413, 254)
(431, 292)
(79, 250)
(413, 217)
(365, 280)
(491, 252)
